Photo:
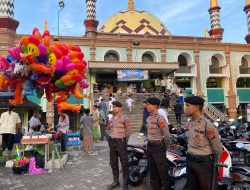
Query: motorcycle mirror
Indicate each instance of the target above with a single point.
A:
(141, 134)
(218, 119)
(216, 124)
(231, 120)
(233, 127)
(240, 117)
(240, 145)
(188, 119)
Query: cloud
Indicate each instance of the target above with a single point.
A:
(170, 11)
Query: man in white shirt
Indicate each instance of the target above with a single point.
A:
(35, 123)
(99, 99)
(129, 102)
(163, 113)
(9, 123)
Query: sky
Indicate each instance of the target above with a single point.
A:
(181, 17)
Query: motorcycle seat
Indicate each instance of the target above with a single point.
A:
(180, 160)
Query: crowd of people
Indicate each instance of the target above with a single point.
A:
(202, 137)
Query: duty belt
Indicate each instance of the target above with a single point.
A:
(118, 139)
(193, 158)
(161, 142)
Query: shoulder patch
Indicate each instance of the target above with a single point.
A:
(211, 133)
(162, 123)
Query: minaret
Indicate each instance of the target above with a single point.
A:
(90, 22)
(8, 25)
(247, 10)
(214, 11)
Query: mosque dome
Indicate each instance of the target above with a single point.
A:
(134, 21)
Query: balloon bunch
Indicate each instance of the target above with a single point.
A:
(40, 65)
(20, 161)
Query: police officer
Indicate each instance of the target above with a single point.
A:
(203, 143)
(158, 139)
(120, 132)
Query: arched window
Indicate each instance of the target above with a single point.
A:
(214, 68)
(147, 57)
(183, 65)
(244, 68)
(111, 57)
(182, 61)
(244, 62)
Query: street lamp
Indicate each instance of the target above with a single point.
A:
(61, 5)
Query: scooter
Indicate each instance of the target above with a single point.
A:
(137, 163)
(241, 173)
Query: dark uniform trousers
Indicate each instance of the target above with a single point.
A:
(199, 172)
(158, 166)
(118, 148)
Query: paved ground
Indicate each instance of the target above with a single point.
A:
(82, 172)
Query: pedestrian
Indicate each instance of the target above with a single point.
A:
(145, 115)
(203, 143)
(87, 131)
(163, 113)
(158, 139)
(10, 122)
(96, 118)
(120, 132)
(103, 106)
(157, 83)
(99, 98)
(63, 127)
(165, 101)
(110, 105)
(178, 112)
(129, 103)
(102, 123)
(34, 123)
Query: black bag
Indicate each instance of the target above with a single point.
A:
(39, 159)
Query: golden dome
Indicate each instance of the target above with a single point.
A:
(134, 21)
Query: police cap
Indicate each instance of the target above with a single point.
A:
(153, 101)
(195, 100)
(117, 104)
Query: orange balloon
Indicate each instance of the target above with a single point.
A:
(24, 40)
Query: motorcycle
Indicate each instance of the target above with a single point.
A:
(137, 164)
(240, 173)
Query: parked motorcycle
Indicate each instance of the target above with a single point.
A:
(137, 163)
(240, 173)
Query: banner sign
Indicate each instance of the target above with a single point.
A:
(131, 75)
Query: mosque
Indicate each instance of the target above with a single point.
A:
(134, 39)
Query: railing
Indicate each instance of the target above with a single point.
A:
(183, 70)
(215, 70)
(244, 70)
(213, 113)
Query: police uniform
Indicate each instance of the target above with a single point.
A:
(203, 142)
(158, 138)
(119, 126)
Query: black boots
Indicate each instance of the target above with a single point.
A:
(113, 185)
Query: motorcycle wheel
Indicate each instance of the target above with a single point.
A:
(135, 177)
(181, 184)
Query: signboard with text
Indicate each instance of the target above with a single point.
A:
(132, 75)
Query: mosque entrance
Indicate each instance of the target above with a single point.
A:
(109, 83)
